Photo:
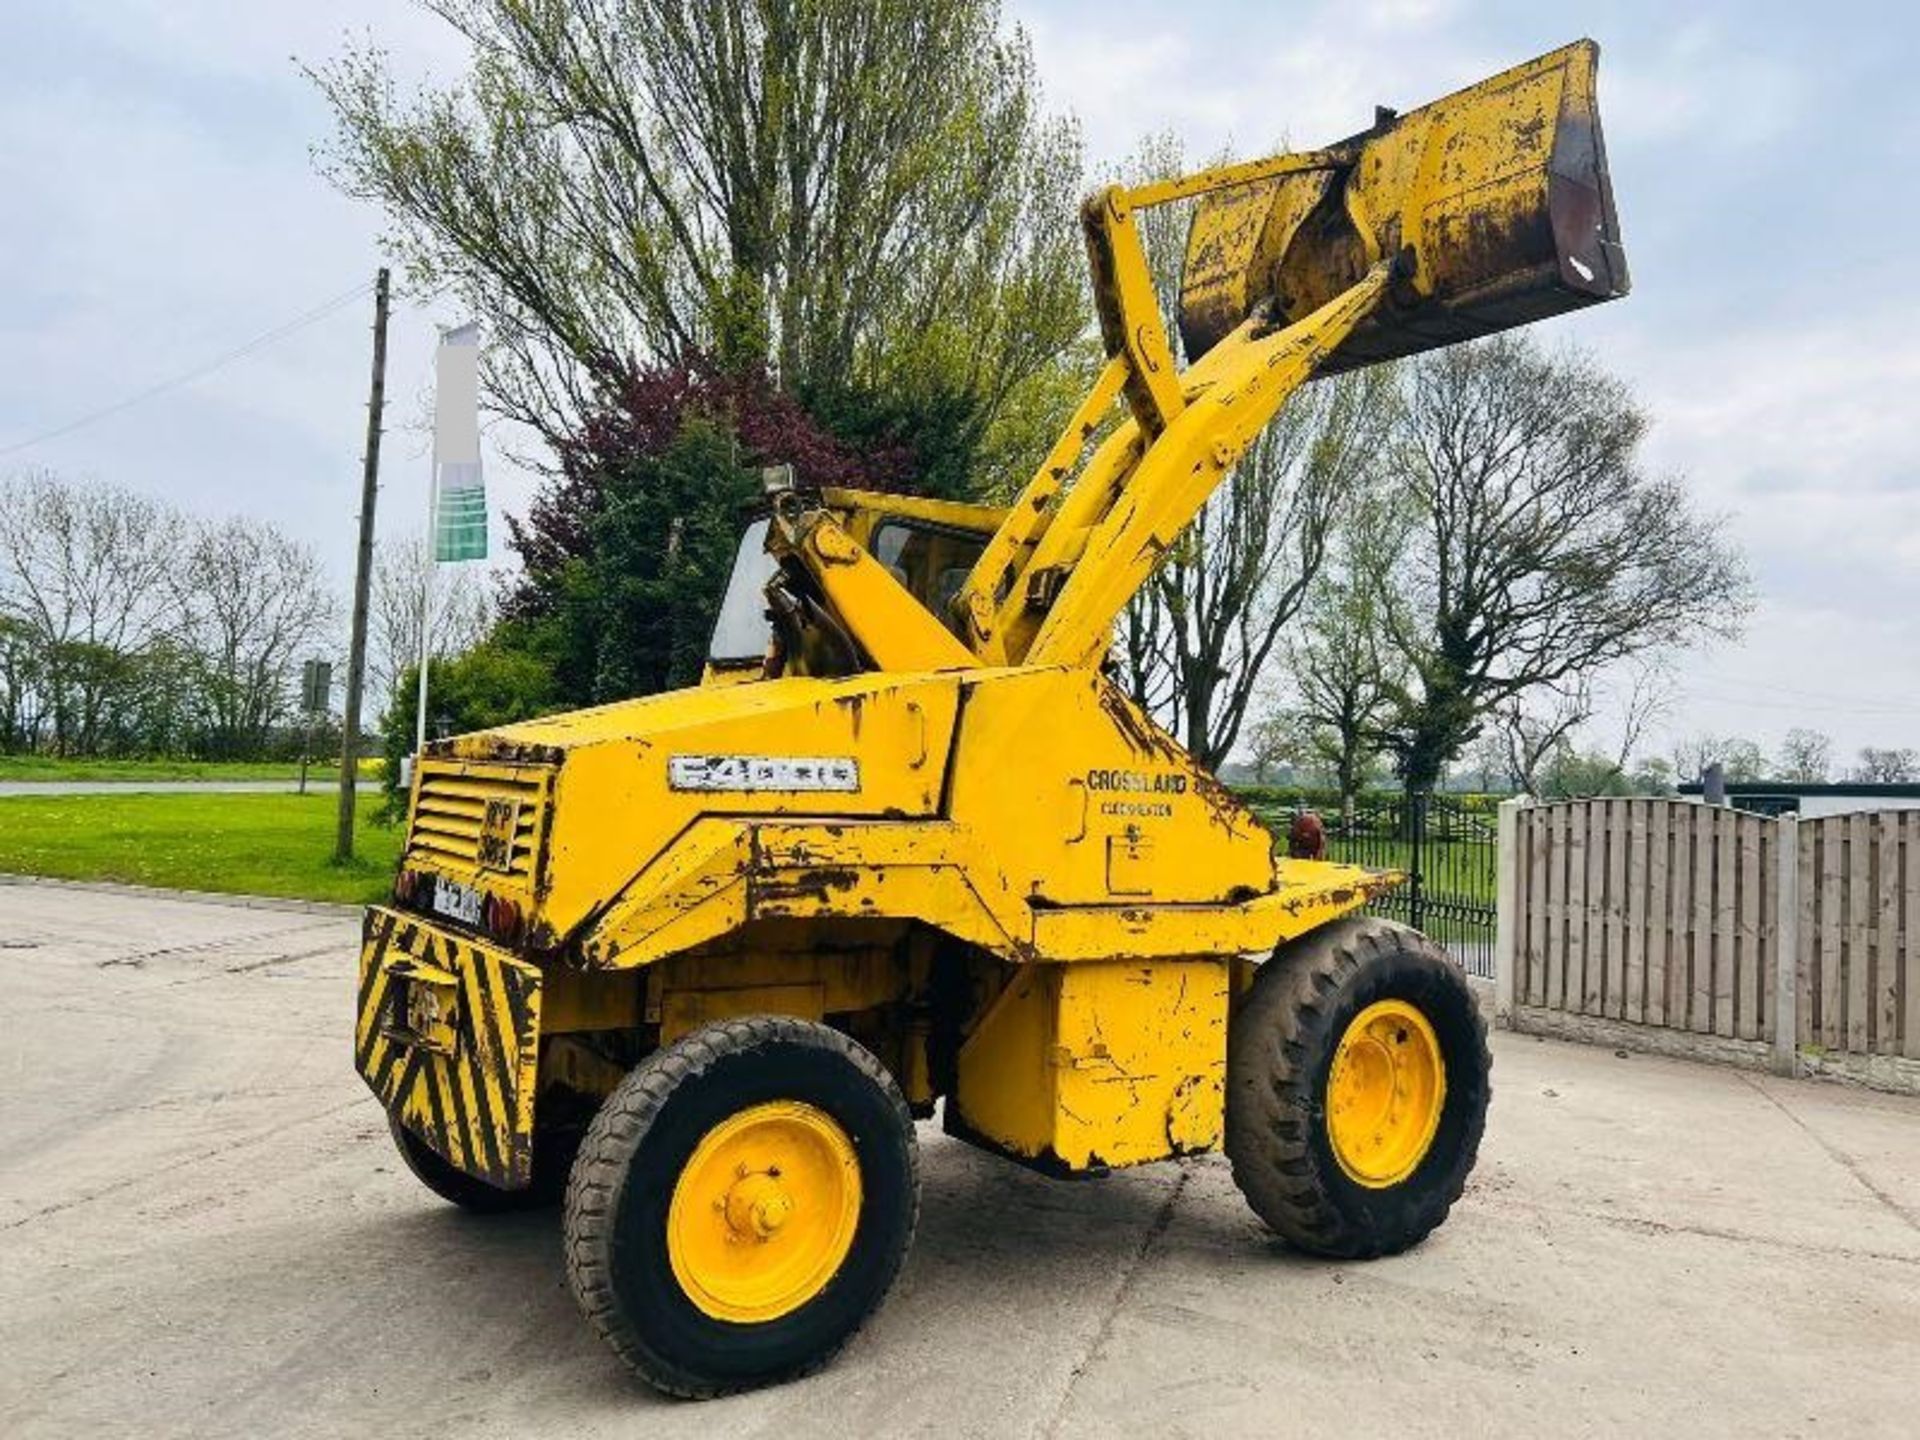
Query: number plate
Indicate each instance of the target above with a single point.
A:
(456, 901)
(498, 829)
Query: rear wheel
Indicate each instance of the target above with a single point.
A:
(454, 1185)
(741, 1204)
(1357, 1089)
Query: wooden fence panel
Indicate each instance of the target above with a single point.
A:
(1633, 959)
(1659, 830)
(1679, 996)
(1533, 924)
(1614, 983)
(1910, 933)
(1726, 922)
(1856, 907)
(1666, 913)
(1860, 949)
(1573, 974)
(1886, 933)
(1811, 1000)
(1829, 925)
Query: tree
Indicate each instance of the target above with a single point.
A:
(1194, 645)
(254, 603)
(1534, 735)
(86, 581)
(1651, 775)
(1278, 739)
(1740, 759)
(863, 197)
(21, 687)
(491, 684)
(1539, 730)
(462, 612)
(1806, 757)
(1887, 767)
(633, 611)
(1536, 549)
(1343, 683)
(626, 551)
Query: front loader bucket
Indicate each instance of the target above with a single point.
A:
(1497, 195)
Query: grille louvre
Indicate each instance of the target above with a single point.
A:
(450, 808)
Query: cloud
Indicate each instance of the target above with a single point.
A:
(162, 208)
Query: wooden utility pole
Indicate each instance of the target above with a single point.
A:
(362, 578)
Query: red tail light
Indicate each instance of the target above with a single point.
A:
(501, 917)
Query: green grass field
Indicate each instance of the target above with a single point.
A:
(238, 844)
(52, 767)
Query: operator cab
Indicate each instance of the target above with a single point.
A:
(929, 546)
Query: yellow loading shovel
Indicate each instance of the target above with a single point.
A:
(448, 1038)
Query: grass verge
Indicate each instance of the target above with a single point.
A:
(53, 767)
(236, 844)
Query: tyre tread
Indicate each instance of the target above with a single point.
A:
(1270, 1111)
(595, 1191)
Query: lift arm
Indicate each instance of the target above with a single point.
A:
(1487, 209)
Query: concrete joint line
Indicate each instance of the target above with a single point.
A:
(1839, 1157)
(1122, 1292)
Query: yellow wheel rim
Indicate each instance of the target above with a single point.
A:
(1384, 1094)
(764, 1212)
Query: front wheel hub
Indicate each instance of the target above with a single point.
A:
(764, 1212)
(1385, 1094)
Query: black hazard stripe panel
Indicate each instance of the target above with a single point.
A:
(474, 1107)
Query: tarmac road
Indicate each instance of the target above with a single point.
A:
(203, 1231)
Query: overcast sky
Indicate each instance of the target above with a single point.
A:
(161, 208)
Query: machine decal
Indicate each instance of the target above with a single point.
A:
(1138, 782)
(791, 773)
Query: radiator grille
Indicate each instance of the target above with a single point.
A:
(451, 816)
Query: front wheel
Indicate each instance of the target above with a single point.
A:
(1357, 1089)
(741, 1204)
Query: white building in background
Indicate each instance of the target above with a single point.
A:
(1774, 797)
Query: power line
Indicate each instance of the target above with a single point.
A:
(239, 352)
(1863, 710)
(1773, 688)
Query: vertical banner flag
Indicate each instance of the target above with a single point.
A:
(460, 521)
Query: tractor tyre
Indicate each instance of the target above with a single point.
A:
(741, 1204)
(472, 1194)
(1357, 1088)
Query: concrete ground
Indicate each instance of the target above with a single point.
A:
(203, 1232)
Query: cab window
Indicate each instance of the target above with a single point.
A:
(931, 561)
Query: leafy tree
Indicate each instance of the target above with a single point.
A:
(1651, 776)
(636, 615)
(1536, 550)
(491, 684)
(863, 197)
(626, 551)
(21, 716)
(1806, 757)
(1343, 680)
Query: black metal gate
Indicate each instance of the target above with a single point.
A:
(1447, 848)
